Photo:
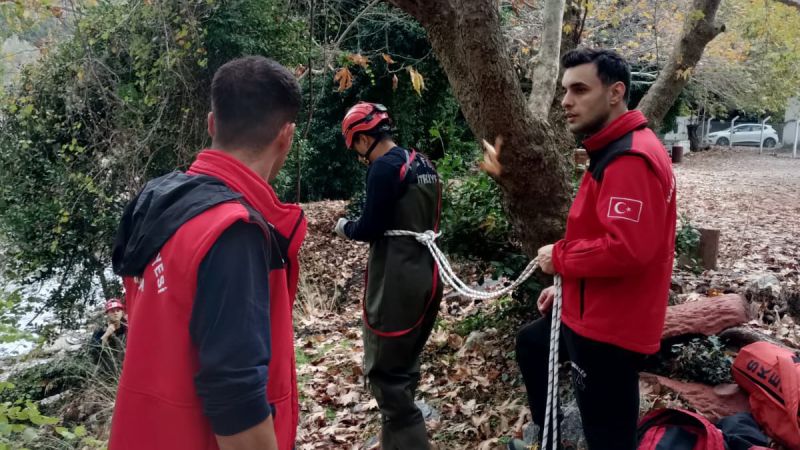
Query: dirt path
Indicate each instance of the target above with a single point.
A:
(754, 199)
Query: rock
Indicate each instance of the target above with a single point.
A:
(765, 281)
(68, 342)
(764, 288)
(707, 316)
(677, 286)
(530, 433)
(475, 338)
(571, 428)
(673, 298)
(373, 443)
(712, 402)
(477, 342)
(792, 300)
(429, 413)
(54, 398)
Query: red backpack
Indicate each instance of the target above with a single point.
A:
(771, 375)
(678, 429)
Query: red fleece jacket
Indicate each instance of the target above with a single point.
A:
(616, 258)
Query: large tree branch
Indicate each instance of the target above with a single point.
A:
(470, 46)
(698, 30)
(546, 64)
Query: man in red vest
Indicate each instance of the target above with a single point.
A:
(615, 259)
(209, 260)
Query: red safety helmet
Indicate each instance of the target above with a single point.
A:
(114, 303)
(365, 117)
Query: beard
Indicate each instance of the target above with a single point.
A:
(591, 127)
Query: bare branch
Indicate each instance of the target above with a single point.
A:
(354, 22)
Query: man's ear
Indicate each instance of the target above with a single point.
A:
(286, 137)
(617, 93)
(364, 140)
(212, 129)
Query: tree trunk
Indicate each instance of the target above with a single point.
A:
(468, 41)
(694, 139)
(574, 20)
(547, 64)
(536, 153)
(698, 30)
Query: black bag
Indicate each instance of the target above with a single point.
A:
(741, 432)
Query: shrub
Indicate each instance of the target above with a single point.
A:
(703, 360)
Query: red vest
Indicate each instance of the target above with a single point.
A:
(157, 406)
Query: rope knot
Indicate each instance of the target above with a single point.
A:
(427, 237)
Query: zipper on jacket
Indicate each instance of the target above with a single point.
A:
(583, 290)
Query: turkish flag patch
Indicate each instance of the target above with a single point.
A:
(624, 208)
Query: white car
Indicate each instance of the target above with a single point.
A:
(745, 134)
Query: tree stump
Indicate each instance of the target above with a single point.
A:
(709, 248)
(581, 156)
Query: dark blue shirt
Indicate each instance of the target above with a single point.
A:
(230, 326)
(384, 187)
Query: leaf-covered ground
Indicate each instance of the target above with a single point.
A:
(469, 376)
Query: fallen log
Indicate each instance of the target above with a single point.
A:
(708, 316)
(741, 336)
(713, 402)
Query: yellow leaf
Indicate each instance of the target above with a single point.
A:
(416, 80)
(359, 59)
(683, 73)
(567, 28)
(388, 59)
(344, 78)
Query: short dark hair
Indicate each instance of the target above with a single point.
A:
(252, 98)
(383, 131)
(611, 67)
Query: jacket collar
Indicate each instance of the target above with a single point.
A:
(622, 125)
(241, 179)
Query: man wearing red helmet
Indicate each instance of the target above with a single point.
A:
(115, 312)
(403, 290)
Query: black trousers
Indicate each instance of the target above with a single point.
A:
(605, 377)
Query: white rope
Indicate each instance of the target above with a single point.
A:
(551, 410)
(428, 239)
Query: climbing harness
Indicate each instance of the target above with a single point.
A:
(428, 239)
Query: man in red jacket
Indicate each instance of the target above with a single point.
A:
(209, 260)
(615, 260)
